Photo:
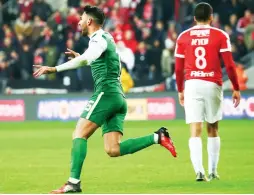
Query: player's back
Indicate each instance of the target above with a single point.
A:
(201, 46)
(106, 70)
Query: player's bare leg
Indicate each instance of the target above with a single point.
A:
(213, 149)
(112, 143)
(114, 147)
(83, 131)
(195, 145)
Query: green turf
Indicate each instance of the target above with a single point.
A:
(35, 156)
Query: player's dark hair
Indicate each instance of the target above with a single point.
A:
(203, 12)
(96, 13)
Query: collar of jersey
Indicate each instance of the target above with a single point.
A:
(202, 26)
(94, 33)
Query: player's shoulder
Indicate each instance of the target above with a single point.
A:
(183, 34)
(101, 34)
(219, 32)
(98, 37)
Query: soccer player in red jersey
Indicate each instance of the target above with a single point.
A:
(198, 52)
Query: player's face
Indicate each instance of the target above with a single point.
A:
(84, 23)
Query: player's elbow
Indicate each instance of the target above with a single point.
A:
(179, 73)
(230, 68)
(179, 65)
(178, 70)
(83, 63)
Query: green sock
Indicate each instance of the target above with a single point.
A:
(131, 146)
(78, 155)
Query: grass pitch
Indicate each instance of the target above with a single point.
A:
(35, 158)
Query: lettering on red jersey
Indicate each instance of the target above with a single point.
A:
(199, 41)
(200, 33)
(202, 74)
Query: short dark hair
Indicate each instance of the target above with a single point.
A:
(203, 12)
(96, 13)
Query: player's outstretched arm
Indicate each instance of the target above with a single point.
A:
(77, 62)
(231, 71)
(94, 51)
(72, 64)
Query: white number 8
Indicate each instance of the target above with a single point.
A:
(200, 57)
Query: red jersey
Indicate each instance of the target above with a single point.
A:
(200, 47)
(198, 51)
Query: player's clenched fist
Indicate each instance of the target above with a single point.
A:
(43, 70)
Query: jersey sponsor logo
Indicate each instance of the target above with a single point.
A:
(12, 110)
(200, 33)
(60, 109)
(161, 108)
(201, 74)
(199, 41)
(244, 110)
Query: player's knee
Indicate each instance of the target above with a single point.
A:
(113, 151)
(196, 129)
(212, 129)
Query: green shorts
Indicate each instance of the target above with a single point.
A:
(106, 110)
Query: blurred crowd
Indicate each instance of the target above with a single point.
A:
(145, 31)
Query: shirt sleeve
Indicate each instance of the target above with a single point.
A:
(231, 69)
(225, 43)
(179, 49)
(96, 47)
(179, 71)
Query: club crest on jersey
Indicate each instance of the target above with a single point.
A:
(200, 33)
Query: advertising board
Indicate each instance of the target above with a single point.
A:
(12, 110)
(60, 109)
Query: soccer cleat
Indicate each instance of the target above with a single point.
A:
(165, 140)
(213, 176)
(68, 188)
(201, 177)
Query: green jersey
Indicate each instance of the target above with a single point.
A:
(106, 69)
(103, 108)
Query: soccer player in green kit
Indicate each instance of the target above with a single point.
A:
(107, 107)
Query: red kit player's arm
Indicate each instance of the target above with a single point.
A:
(230, 67)
(179, 63)
(179, 70)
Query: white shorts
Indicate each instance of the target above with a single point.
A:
(202, 101)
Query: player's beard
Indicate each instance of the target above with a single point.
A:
(84, 32)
